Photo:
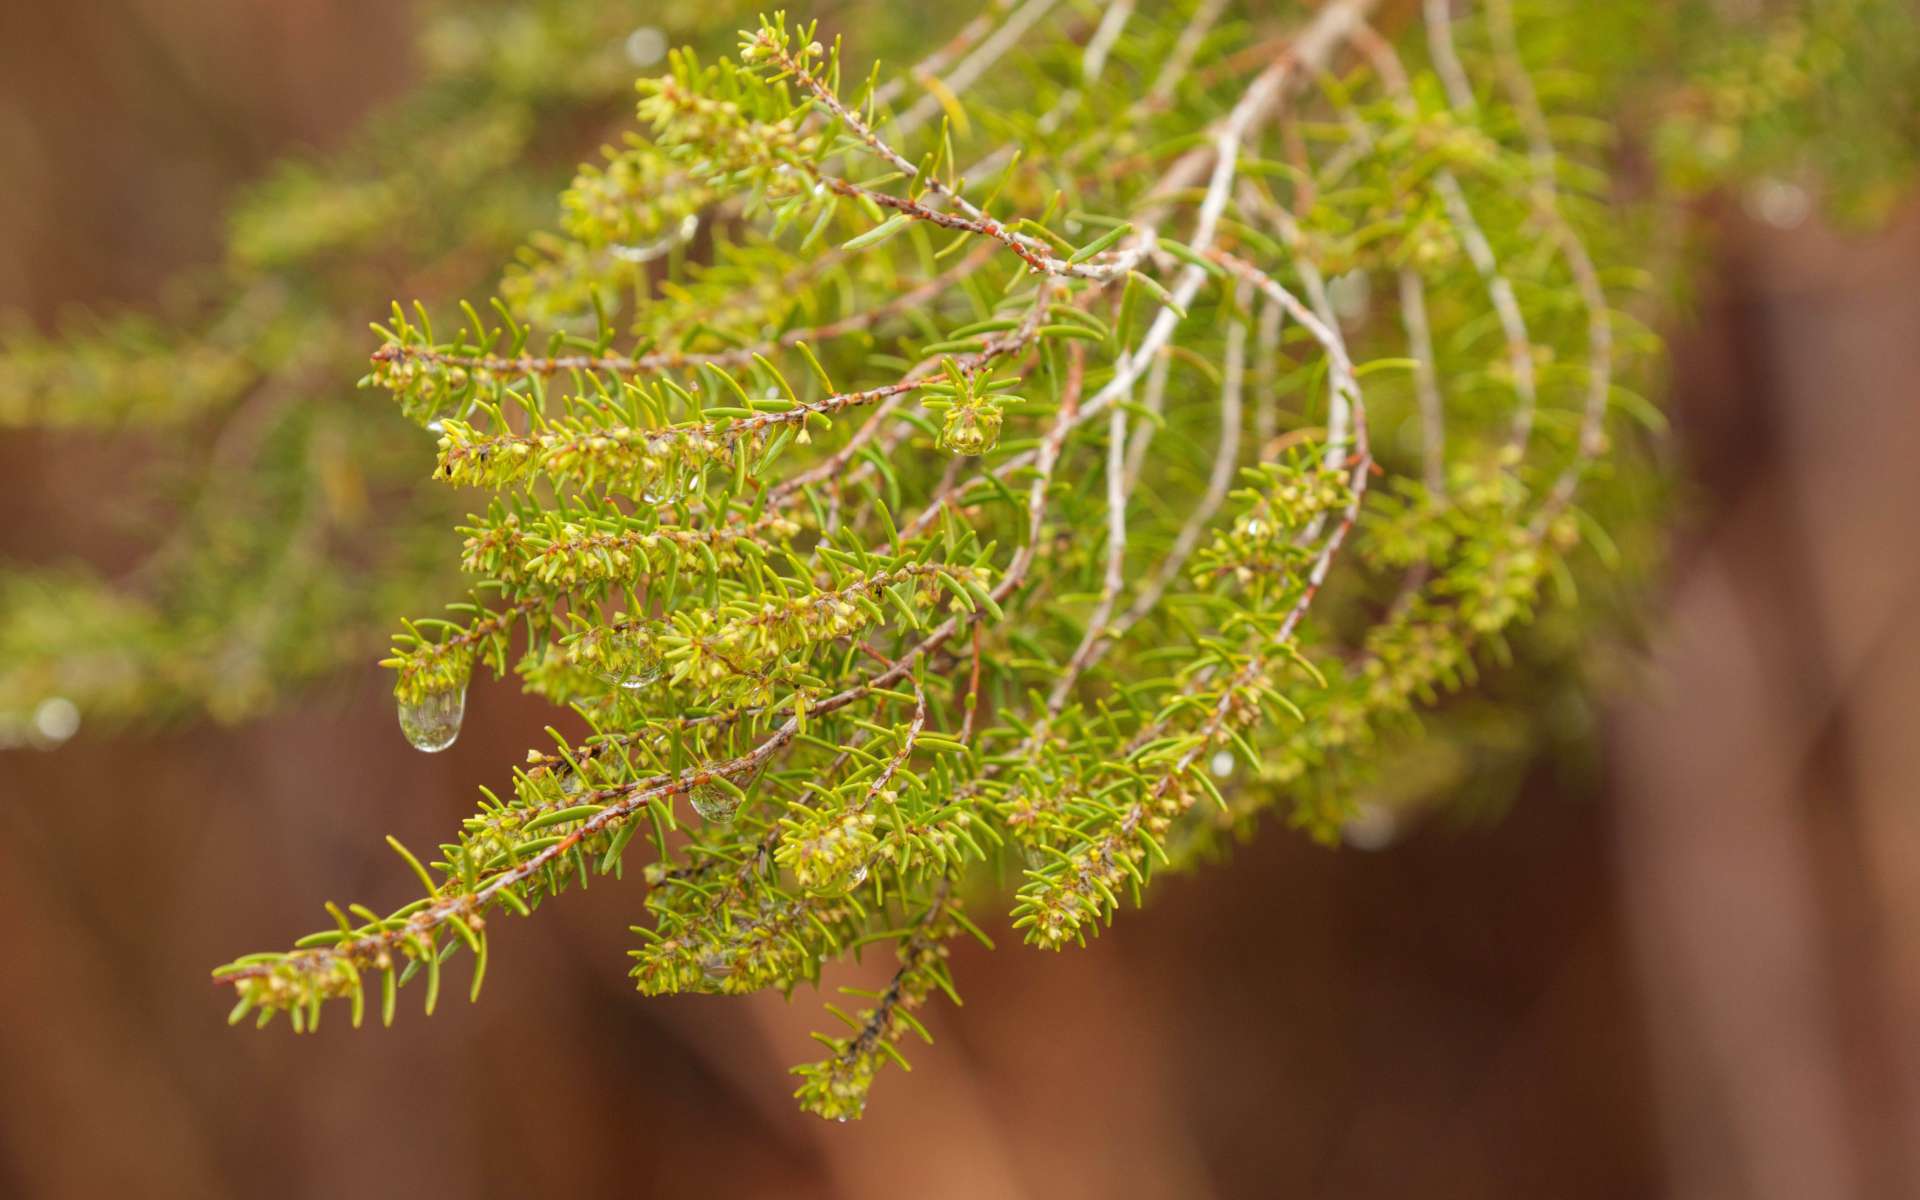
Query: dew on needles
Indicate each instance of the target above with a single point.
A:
(432, 721)
(1051, 497)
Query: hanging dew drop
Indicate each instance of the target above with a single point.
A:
(633, 662)
(840, 885)
(714, 803)
(433, 722)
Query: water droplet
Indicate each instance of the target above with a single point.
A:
(714, 803)
(634, 683)
(646, 46)
(715, 966)
(647, 252)
(1780, 203)
(436, 426)
(632, 661)
(858, 877)
(55, 720)
(1372, 827)
(1221, 764)
(662, 490)
(1349, 294)
(433, 722)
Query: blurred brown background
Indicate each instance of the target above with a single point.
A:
(1697, 977)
